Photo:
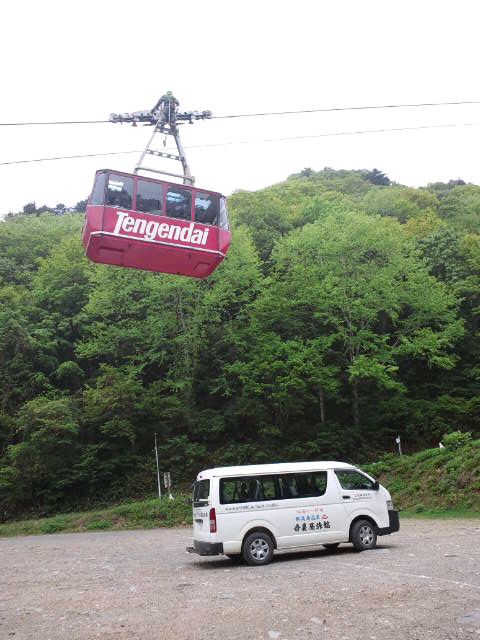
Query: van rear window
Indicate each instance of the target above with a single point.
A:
(201, 492)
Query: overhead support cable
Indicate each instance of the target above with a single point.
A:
(268, 113)
(261, 141)
(87, 155)
(338, 133)
(360, 108)
(34, 124)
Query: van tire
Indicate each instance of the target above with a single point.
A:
(364, 535)
(257, 549)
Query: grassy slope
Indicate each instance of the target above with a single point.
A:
(133, 515)
(435, 482)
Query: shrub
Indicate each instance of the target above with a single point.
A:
(99, 525)
(457, 439)
(54, 525)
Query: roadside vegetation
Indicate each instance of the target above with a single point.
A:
(434, 483)
(145, 514)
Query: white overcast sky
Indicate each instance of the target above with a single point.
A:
(83, 60)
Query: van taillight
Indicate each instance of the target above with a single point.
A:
(213, 521)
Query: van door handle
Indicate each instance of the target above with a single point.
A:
(346, 497)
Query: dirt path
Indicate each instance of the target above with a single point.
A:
(423, 582)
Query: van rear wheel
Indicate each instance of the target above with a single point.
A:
(364, 535)
(258, 548)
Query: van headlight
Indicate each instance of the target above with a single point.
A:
(390, 505)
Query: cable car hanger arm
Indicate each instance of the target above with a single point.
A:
(151, 118)
(164, 117)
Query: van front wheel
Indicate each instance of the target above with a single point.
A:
(364, 535)
(258, 548)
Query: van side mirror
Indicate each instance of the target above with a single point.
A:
(376, 485)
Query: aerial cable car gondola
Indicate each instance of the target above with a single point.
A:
(153, 224)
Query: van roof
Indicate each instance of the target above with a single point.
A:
(279, 467)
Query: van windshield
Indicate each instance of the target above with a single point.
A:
(201, 492)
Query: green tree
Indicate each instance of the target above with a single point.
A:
(60, 208)
(329, 203)
(30, 208)
(359, 280)
(81, 206)
(39, 470)
(443, 189)
(263, 213)
(25, 239)
(461, 208)
(27, 350)
(378, 178)
(398, 202)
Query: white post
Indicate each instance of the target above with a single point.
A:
(167, 481)
(399, 442)
(158, 471)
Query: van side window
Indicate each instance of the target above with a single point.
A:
(303, 485)
(353, 480)
(247, 489)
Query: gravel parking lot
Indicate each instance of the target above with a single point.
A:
(423, 582)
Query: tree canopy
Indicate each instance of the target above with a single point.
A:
(346, 312)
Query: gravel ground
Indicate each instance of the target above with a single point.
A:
(423, 582)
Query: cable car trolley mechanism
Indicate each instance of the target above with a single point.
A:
(153, 224)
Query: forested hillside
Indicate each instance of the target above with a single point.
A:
(347, 311)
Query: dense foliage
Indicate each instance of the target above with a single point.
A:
(347, 311)
(435, 480)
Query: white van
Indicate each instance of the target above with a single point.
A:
(251, 510)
